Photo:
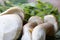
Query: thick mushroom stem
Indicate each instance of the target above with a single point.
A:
(51, 19)
(40, 31)
(28, 28)
(11, 23)
(14, 10)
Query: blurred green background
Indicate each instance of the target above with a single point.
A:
(18, 1)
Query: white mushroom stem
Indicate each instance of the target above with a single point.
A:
(51, 19)
(11, 24)
(14, 10)
(40, 31)
(28, 28)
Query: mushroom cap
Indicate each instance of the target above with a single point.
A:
(52, 20)
(14, 10)
(40, 31)
(36, 19)
(28, 28)
(49, 28)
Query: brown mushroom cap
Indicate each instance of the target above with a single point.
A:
(40, 31)
(49, 28)
(52, 20)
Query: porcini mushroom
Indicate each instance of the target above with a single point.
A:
(49, 27)
(11, 23)
(28, 28)
(40, 31)
(51, 19)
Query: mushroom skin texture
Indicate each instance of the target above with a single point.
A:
(28, 28)
(36, 19)
(11, 24)
(51, 19)
(40, 31)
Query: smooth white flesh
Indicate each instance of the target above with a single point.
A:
(9, 25)
(26, 33)
(38, 33)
